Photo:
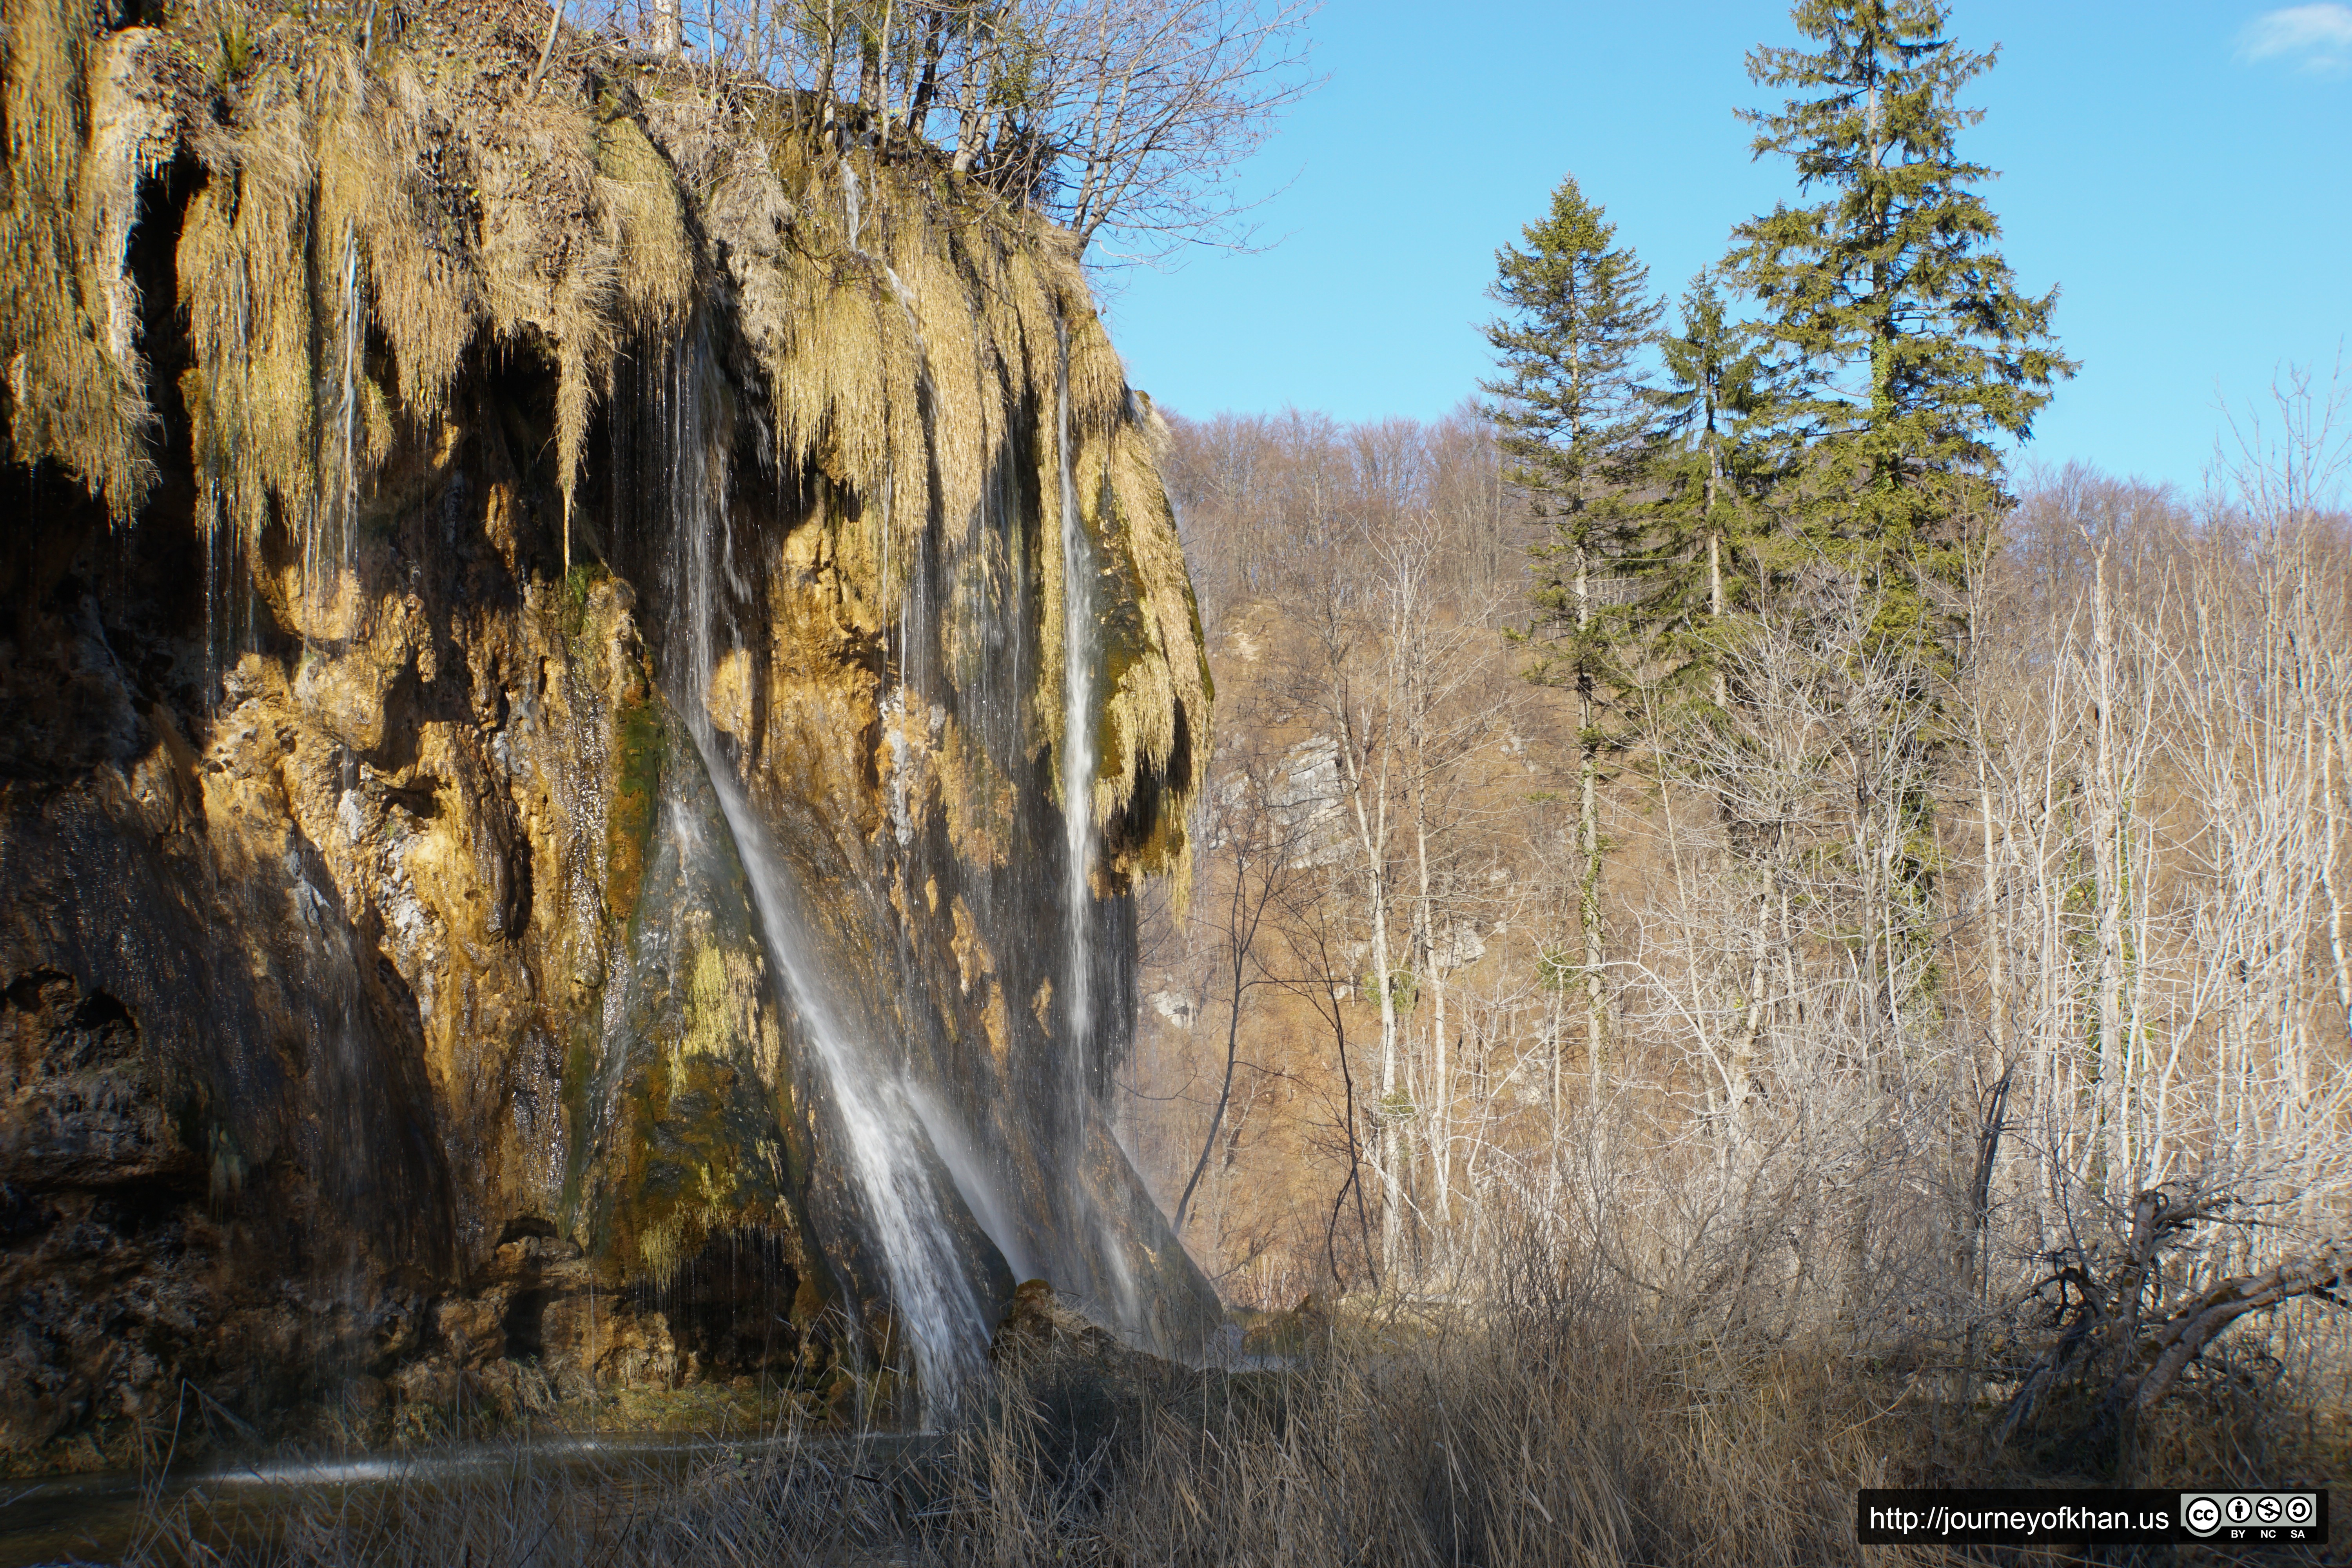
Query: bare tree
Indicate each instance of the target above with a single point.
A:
(1140, 109)
(1124, 120)
(1253, 847)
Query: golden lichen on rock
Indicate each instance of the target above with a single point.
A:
(357, 224)
(419, 305)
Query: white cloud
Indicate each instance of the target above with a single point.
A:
(2318, 37)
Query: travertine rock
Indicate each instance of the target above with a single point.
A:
(385, 1016)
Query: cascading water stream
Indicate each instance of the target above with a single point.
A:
(1079, 760)
(1081, 654)
(946, 1321)
(330, 534)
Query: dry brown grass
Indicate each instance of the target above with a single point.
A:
(1549, 1425)
(1428, 1442)
(81, 136)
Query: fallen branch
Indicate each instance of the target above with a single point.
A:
(2179, 1339)
(2105, 1340)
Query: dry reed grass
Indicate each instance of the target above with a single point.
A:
(84, 127)
(1435, 1442)
(1551, 1423)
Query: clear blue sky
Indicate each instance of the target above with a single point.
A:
(2189, 189)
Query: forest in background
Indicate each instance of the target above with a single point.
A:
(1360, 585)
(1961, 1075)
(1714, 808)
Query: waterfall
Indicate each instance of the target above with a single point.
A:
(1081, 653)
(1078, 760)
(944, 1318)
(887, 1144)
(330, 534)
(975, 1183)
(353, 332)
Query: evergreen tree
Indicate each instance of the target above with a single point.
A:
(1717, 451)
(1574, 420)
(1919, 350)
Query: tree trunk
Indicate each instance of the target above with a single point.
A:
(1240, 930)
(1995, 938)
(1372, 836)
(926, 83)
(1440, 1093)
(1752, 1022)
(1587, 845)
(2331, 795)
(2108, 883)
(1714, 601)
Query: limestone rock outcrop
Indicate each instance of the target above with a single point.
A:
(433, 491)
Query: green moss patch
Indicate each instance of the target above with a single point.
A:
(640, 745)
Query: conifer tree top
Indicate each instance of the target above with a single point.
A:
(1578, 313)
(1893, 278)
(1920, 351)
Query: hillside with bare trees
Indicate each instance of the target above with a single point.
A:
(2045, 1089)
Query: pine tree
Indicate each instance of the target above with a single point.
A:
(1574, 419)
(1918, 355)
(1718, 450)
(1920, 351)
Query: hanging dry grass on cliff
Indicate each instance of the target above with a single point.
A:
(357, 224)
(340, 201)
(1163, 687)
(906, 339)
(87, 122)
(246, 270)
(375, 134)
(968, 415)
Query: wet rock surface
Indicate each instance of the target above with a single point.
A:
(389, 1023)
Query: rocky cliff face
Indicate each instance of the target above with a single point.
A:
(546, 840)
